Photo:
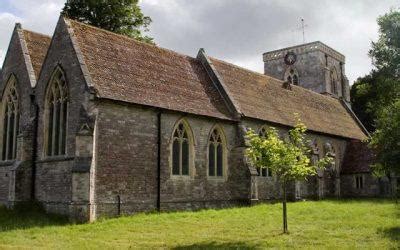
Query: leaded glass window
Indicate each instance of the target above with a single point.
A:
(57, 112)
(10, 121)
(180, 151)
(216, 149)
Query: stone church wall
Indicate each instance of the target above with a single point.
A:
(126, 159)
(372, 186)
(15, 184)
(314, 65)
(199, 190)
(54, 174)
(126, 163)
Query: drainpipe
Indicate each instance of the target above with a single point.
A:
(34, 146)
(159, 160)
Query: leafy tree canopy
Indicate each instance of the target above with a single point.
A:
(120, 16)
(289, 158)
(372, 93)
(376, 97)
(386, 51)
(386, 140)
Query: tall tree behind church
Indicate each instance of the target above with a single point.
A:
(120, 16)
(377, 95)
(374, 92)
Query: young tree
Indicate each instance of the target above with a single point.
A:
(119, 16)
(288, 159)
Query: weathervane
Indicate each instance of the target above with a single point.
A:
(303, 27)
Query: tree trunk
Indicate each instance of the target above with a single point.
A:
(285, 226)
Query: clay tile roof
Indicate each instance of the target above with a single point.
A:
(263, 97)
(124, 69)
(358, 158)
(37, 46)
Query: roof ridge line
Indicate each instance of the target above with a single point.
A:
(129, 38)
(219, 84)
(37, 33)
(273, 78)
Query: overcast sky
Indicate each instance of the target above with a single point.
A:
(234, 30)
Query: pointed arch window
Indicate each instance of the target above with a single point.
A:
(264, 172)
(334, 82)
(182, 145)
(10, 120)
(56, 112)
(216, 154)
(291, 76)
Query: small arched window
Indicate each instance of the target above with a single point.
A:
(291, 76)
(264, 172)
(216, 154)
(181, 150)
(10, 120)
(56, 108)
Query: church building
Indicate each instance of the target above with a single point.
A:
(98, 124)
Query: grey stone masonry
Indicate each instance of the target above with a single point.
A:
(318, 67)
(15, 175)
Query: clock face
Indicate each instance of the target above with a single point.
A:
(290, 58)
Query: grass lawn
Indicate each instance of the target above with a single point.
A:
(371, 224)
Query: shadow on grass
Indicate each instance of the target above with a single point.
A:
(216, 245)
(393, 233)
(28, 216)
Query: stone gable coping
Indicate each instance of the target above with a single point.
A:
(27, 58)
(79, 55)
(219, 83)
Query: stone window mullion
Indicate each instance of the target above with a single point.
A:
(8, 134)
(216, 158)
(60, 126)
(53, 139)
(64, 126)
(15, 133)
(5, 128)
(180, 156)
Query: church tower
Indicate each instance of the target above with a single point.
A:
(313, 66)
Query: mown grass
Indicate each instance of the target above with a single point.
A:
(348, 224)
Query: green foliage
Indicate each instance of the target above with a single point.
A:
(375, 97)
(371, 94)
(120, 16)
(386, 51)
(328, 224)
(385, 140)
(289, 159)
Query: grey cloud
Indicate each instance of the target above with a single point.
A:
(240, 31)
(235, 30)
